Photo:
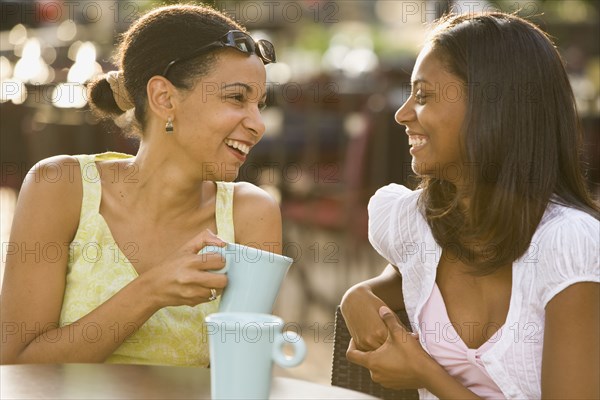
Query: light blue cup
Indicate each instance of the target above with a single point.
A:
(243, 347)
(254, 277)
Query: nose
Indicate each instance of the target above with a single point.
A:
(254, 122)
(406, 112)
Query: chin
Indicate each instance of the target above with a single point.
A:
(422, 168)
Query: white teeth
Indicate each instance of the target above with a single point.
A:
(417, 140)
(244, 148)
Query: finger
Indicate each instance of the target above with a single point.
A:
(203, 239)
(209, 261)
(391, 321)
(356, 356)
(212, 280)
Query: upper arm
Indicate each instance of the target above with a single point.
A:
(45, 221)
(571, 355)
(257, 218)
(388, 287)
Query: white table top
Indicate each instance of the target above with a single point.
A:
(110, 381)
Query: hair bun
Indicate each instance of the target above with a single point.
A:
(116, 80)
(101, 98)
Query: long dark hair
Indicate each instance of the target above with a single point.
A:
(522, 139)
(152, 42)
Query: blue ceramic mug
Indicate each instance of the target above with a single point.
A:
(243, 347)
(254, 277)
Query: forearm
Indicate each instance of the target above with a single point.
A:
(444, 386)
(94, 337)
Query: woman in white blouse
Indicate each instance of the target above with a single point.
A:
(495, 256)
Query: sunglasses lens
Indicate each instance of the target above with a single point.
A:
(241, 41)
(266, 51)
(244, 42)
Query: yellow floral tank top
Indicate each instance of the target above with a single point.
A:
(97, 269)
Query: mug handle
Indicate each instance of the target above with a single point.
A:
(299, 349)
(219, 250)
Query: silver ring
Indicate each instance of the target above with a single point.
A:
(213, 295)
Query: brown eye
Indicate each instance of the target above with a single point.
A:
(420, 98)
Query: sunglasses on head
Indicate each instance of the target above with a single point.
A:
(238, 40)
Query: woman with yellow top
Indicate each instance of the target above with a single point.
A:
(120, 279)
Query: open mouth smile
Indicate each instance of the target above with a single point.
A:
(242, 148)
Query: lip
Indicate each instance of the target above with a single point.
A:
(416, 148)
(411, 133)
(239, 156)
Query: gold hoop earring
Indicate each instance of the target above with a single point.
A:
(169, 126)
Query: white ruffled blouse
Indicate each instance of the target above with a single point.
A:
(564, 250)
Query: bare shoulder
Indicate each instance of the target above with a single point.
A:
(246, 192)
(51, 195)
(256, 216)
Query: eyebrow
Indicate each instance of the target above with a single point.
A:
(244, 85)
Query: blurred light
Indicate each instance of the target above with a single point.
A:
(13, 90)
(340, 39)
(85, 66)
(359, 61)
(279, 73)
(73, 49)
(69, 95)
(334, 57)
(32, 49)
(6, 68)
(31, 67)
(17, 35)
(355, 124)
(66, 31)
(34, 71)
(363, 41)
(273, 120)
(49, 54)
(304, 64)
(51, 74)
(376, 102)
(258, 35)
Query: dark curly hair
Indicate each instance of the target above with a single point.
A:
(157, 38)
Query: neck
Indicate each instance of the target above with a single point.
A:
(166, 186)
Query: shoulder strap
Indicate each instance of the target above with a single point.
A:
(224, 211)
(92, 189)
(90, 178)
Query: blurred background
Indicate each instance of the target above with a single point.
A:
(343, 70)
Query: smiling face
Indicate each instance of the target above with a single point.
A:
(433, 116)
(219, 121)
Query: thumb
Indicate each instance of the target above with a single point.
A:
(203, 239)
(392, 322)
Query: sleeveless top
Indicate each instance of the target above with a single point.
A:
(563, 251)
(97, 269)
(445, 345)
